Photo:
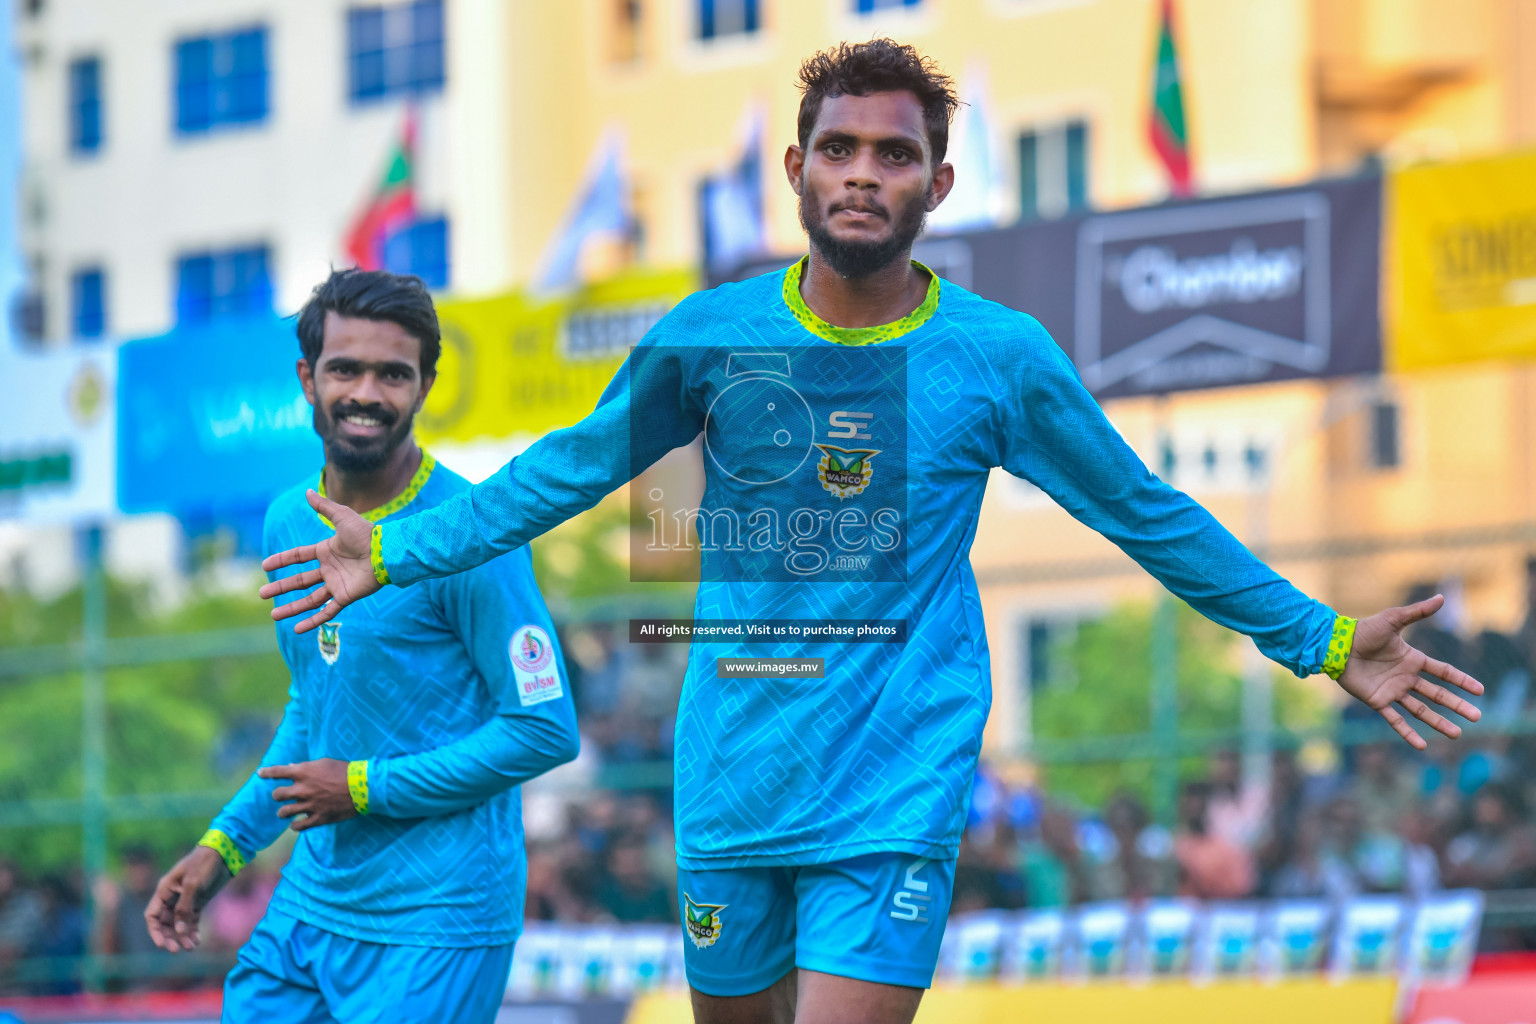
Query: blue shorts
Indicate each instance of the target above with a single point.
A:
(877, 918)
(294, 973)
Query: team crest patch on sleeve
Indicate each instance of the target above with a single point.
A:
(533, 666)
(702, 921)
(845, 472)
(330, 641)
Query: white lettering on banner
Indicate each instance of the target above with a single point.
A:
(1154, 278)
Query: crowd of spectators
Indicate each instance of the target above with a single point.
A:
(1376, 818)
(47, 924)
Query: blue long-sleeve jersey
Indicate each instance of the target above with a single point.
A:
(875, 521)
(453, 693)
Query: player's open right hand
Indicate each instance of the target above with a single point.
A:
(345, 573)
(179, 899)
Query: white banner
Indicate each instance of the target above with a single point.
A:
(58, 434)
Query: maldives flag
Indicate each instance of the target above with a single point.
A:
(1166, 128)
(392, 207)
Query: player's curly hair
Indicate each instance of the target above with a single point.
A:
(880, 65)
(372, 295)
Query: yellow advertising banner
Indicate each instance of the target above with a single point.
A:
(1312, 1001)
(517, 365)
(1462, 263)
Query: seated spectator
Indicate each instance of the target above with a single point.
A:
(1375, 860)
(21, 915)
(1237, 808)
(1499, 850)
(1421, 870)
(1309, 873)
(1210, 867)
(629, 892)
(126, 931)
(61, 931)
(1141, 863)
(548, 897)
(1051, 861)
(1384, 789)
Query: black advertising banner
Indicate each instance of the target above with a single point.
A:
(1244, 289)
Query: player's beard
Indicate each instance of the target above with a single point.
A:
(360, 455)
(857, 260)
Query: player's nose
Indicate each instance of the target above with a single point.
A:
(863, 171)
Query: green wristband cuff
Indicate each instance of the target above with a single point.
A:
(225, 847)
(376, 553)
(1339, 646)
(357, 784)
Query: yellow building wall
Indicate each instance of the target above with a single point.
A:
(680, 104)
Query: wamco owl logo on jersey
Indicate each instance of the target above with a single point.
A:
(330, 641)
(702, 921)
(845, 472)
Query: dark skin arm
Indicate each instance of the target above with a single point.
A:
(316, 789)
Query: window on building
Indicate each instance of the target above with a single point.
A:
(1048, 659)
(1053, 170)
(1386, 441)
(85, 105)
(88, 302)
(628, 25)
(871, 6)
(29, 315)
(420, 249)
(394, 50)
(719, 18)
(225, 284)
(221, 81)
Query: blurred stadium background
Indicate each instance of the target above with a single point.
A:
(1291, 244)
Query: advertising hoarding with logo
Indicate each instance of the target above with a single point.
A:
(1246, 289)
(58, 435)
(1462, 273)
(213, 418)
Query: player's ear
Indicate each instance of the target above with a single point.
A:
(943, 181)
(794, 166)
(426, 389)
(306, 379)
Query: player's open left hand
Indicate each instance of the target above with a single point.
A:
(316, 789)
(345, 573)
(1383, 670)
(173, 911)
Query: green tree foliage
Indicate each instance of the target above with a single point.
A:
(181, 727)
(1100, 685)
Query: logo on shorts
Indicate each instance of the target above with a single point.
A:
(702, 921)
(912, 901)
(330, 641)
(845, 472)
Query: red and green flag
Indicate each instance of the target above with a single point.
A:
(1167, 130)
(392, 207)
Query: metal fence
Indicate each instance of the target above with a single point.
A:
(96, 653)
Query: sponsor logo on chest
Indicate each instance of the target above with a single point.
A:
(329, 635)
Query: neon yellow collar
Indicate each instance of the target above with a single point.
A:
(857, 335)
(399, 501)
